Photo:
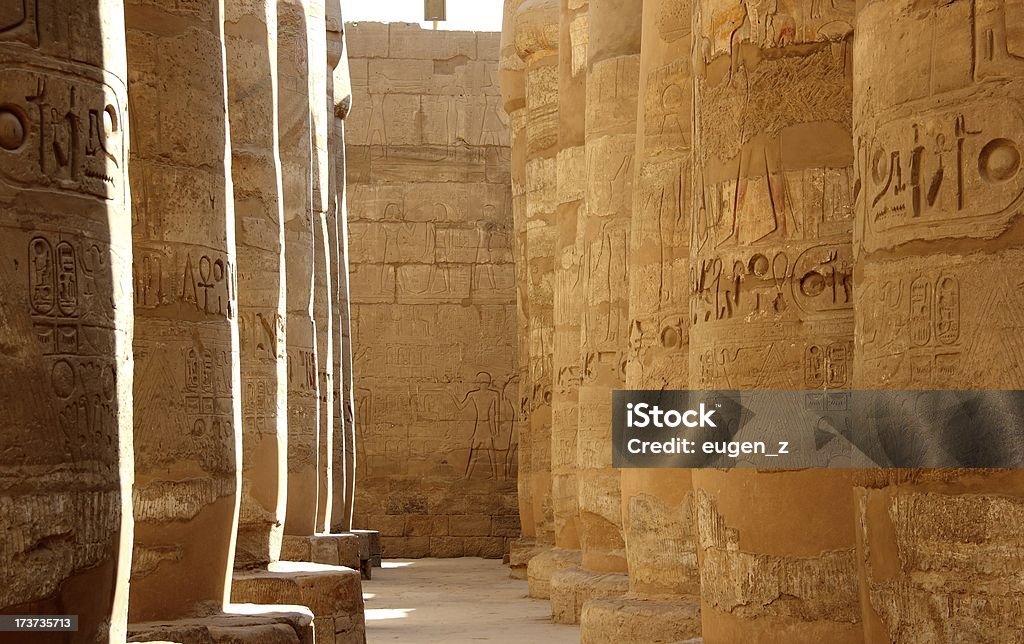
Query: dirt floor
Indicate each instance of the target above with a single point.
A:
(456, 600)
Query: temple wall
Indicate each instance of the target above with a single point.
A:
(432, 292)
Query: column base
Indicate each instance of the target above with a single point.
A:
(630, 620)
(369, 551)
(572, 587)
(243, 624)
(333, 593)
(542, 567)
(326, 549)
(521, 551)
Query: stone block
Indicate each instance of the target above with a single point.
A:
(470, 525)
(333, 593)
(405, 547)
(486, 547)
(426, 526)
(242, 624)
(447, 547)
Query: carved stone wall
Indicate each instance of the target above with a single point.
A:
(432, 291)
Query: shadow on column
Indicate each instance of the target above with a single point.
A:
(65, 317)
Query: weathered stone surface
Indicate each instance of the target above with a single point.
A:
(65, 314)
(513, 91)
(938, 166)
(327, 549)
(613, 64)
(333, 593)
(639, 621)
(431, 289)
(571, 588)
(294, 51)
(657, 505)
(250, 39)
(344, 434)
(771, 306)
(244, 624)
(570, 177)
(186, 390)
(543, 566)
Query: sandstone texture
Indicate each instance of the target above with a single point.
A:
(432, 292)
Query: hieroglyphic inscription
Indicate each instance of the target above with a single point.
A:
(61, 132)
(952, 172)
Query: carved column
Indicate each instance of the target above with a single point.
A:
(560, 563)
(613, 60)
(187, 397)
(251, 53)
(513, 89)
(344, 507)
(65, 315)
(293, 54)
(321, 122)
(657, 504)
(771, 305)
(536, 38)
(939, 134)
(339, 91)
(567, 365)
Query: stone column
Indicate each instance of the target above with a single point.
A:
(251, 54)
(939, 132)
(657, 504)
(321, 122)
(302, 56)
(187, 395)
(65, 315)
(513, 90)
(536, 39)
(613, 63)
(342, 104)
(337, 92)
(771, 306)
(570, 187)
(296, 171)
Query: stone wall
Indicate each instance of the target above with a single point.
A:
(433, 294)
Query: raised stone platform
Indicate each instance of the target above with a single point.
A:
(542, 567)
(333, 593)
(326, 549)
(640, 621)
(242, 624)
(573, 587)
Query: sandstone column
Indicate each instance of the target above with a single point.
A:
(657, 509)
(65, 315)
(339, 91)
(187, 397)
(570, 97)
(939, 131)
(251, 53)
(536, 39)
(321, 122)
(770, 306)
(342, 104)
(613, 63)
(303, 96)
(566, 367)
(311, 577)
(513, 90)
(296, 145)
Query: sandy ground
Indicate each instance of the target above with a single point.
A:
(456, 600)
